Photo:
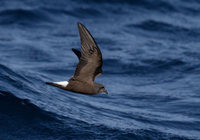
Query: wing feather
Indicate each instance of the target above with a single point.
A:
(90, 63)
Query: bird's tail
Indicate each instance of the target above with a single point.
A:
(52, 84)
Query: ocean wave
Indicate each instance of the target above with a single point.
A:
(22, 16)
(151, 5)
(79, 12)
(31, 53)
(37, 123)
(20, 112)
(5, 71)
(163, 27)
(145, 66)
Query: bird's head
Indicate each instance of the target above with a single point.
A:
(101, 88)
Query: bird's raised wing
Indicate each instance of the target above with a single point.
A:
(90, 63)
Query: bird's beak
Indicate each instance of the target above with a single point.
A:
(106, 91)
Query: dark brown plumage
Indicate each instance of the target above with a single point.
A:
(89, 67)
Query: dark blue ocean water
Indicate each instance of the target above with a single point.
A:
(151, 54)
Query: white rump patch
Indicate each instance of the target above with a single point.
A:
(62, 83)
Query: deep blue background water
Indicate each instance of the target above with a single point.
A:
(151, 53)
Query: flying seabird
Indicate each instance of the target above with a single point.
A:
(88, 68)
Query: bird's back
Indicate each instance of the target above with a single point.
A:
(81, 87)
